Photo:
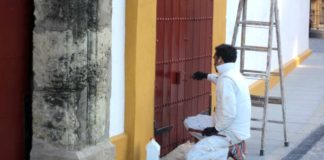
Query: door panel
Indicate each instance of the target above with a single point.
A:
(15, 71)
(184, 45)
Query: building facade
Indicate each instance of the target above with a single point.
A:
(317, 14)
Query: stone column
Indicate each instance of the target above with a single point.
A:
(72, 74)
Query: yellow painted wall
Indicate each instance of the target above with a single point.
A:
(120, 142)
(219, 34)
(140, 75)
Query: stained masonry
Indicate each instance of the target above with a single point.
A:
(72, 69)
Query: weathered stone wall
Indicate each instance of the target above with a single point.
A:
(71, 64)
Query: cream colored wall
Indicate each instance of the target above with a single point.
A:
(117, 99)
(294, 19)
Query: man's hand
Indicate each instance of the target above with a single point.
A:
(199, 75)
(209, 131)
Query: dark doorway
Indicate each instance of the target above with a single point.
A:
(184, 45)
(15, 71)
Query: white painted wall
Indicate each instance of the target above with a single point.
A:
(117, 101)
(294, 18)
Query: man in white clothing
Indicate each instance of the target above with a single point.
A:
(230, 124)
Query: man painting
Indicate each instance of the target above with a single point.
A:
(230, 124)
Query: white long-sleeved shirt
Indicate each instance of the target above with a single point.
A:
(233, 109)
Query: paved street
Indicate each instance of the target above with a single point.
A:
(317, 45)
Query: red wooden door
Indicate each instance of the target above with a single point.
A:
(184, 45)
(15, 67)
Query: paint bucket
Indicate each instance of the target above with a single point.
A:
(153, 150)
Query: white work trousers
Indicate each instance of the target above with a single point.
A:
(208, 148)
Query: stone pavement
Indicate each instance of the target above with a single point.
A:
(316, 152)
(310, 148)
(305, 116)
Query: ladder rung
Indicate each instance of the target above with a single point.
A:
(254, 76)
(274, 121)
(257, 23)
(256, 119)
(255, 48)
(256, 129)
(260, 103)
(259, 100)
(257, 103)
(263, 73)
(270, 121)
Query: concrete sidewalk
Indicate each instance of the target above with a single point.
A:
(305, 110)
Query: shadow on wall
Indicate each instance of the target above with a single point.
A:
(28, 130)
(316, 33)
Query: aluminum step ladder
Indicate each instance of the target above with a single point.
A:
(257, 100)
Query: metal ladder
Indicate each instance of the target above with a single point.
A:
(262, 101)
